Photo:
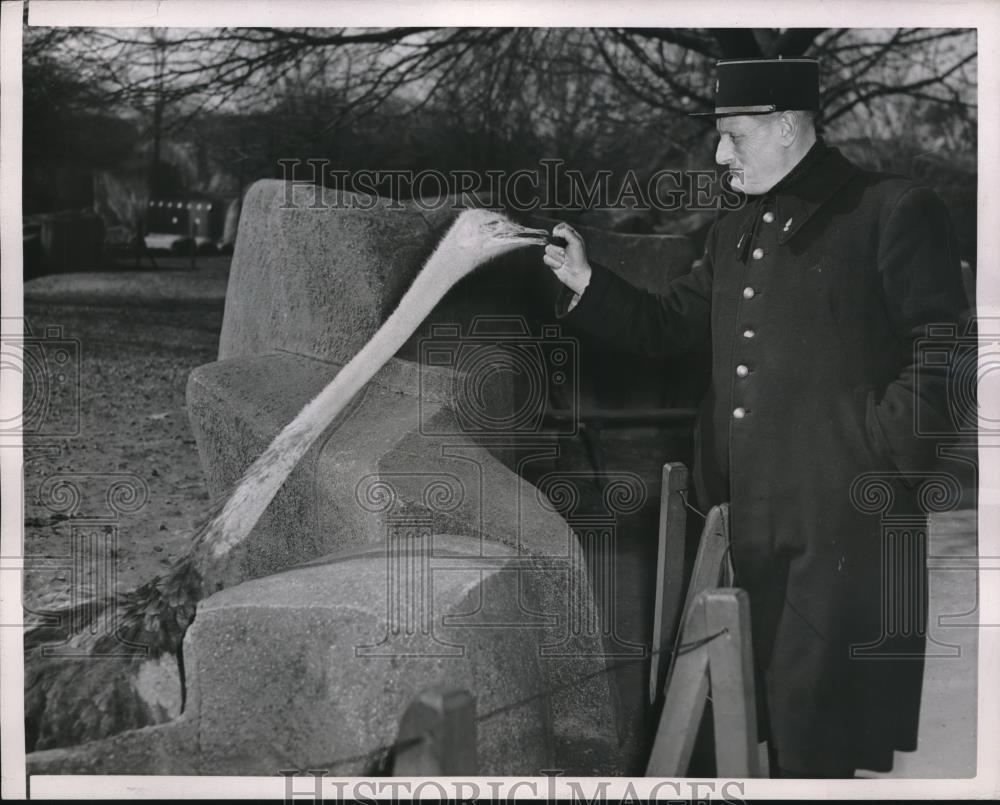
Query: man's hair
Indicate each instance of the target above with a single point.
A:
(807, 116)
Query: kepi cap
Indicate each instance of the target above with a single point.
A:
(762, 86)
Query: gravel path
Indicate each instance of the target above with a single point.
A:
(130, 469)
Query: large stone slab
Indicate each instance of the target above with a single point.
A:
(314, 667)
(170, 748)
(238, 406)
(315, 271)
(314, 274)
(392, 465)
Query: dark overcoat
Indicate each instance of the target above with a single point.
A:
(814, 298)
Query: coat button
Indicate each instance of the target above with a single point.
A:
(758, 253)
(742, 370)
(768, 217)
(739, 413)
(748, 333)
(749, 293)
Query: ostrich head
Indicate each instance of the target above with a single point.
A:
(484, 234)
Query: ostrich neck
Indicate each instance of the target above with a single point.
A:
(439, 274)
(243, 509)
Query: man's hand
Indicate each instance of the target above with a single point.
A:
(569, 264)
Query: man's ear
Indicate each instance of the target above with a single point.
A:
(788, 128)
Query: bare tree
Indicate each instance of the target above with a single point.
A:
(498, 98)
(667, 67)
(651, 70)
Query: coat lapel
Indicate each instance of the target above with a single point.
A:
(796, 203)
(797, 197)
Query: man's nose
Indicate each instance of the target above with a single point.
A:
(724, 154)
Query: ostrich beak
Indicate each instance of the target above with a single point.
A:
(539, 237)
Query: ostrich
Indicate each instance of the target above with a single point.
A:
(71, 701)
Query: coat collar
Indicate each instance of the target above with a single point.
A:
(813, 181)
(810, 184)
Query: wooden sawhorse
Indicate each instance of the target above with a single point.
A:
(711, 654)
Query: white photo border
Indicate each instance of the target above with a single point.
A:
(983, 15)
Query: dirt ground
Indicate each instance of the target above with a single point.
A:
(129, 467)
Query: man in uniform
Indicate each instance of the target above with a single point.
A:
(812, 296)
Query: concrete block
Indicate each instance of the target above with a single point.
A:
(302, 250)
(238, 406)
(170, 748)
(392, 464)
(313, 667)
(316, 271)
(312, 279)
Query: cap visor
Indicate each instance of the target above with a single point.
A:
(724, 114)
(732, 111)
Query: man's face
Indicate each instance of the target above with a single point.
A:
(751, 144)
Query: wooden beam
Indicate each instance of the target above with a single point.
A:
(730, 668)
(711, 566)
(669, 572)
(715, 656)
(684, 702)
(438, 733)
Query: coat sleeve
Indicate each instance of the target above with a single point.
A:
(654, 325)
(921, 279)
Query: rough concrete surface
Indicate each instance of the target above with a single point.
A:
(311, 281)
(313, 273)
(163, 749)
(314, 667)
(316, 271)
(377, 472)
(236, 408)
(317, 664)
